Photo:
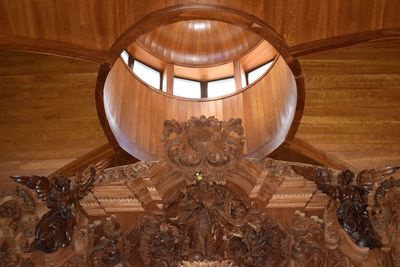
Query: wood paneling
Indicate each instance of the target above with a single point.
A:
(258, 55)
(352, 108)
(261, 54)
(136, 113)
(199, 42)
(48, 115)
(65, 24)
(205, 74)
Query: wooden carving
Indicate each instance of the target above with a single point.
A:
(352, 212)
(207, 222)
(106, 252)
(316, 243)
(203, 146)
(386, 219)
(55, 228)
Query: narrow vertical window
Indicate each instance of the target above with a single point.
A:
(125, 57)
(147, 74)
(253, 75)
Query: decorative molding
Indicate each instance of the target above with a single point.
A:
(203, 148)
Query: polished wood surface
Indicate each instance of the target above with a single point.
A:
(136, 113)
(88, 25)
(199, 42)
(352, 107)
(323, 159)
(261, 53)
(205, 74)
(48, 115)
(87, 30)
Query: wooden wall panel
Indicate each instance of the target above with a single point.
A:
(91, 25)
(352, 107)
(266, 108)
(47, 113)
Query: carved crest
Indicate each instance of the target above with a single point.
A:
(203, 147)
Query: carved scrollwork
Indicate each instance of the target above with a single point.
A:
(207, 222)
(315, 243)
(107, 252)
(203, 145)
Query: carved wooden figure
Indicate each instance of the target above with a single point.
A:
(352, 212)
(55, 228)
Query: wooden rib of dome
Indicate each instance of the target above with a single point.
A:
(136, 113)
(199, 42)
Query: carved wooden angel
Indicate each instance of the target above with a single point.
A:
(352, 213)
(56, 227)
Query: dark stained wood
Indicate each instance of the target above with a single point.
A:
(352, 195)
(56, 227)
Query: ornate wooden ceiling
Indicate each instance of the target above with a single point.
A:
(199, 42)
(87, 29)
(48, 115)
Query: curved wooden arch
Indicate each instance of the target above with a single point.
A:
(197, 12)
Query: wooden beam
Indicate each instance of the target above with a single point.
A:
(343, 41)
(105, 151)
(304, 148)
(41, 46)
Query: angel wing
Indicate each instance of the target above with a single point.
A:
(371, 176)
(86, 178)
(307, 172)
(41, 184)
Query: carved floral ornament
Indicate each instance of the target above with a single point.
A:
(204, 222)
(203, 147)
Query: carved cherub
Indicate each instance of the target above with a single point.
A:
(352, 213)
(56, 227)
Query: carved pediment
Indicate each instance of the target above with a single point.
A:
(203, 146)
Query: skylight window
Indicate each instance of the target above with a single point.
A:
(187, 88)
(253, 75)
(147, 74)
(125, 56)
(221, 87)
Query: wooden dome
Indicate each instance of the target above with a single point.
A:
(199, 42)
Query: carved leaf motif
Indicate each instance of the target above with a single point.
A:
(203, 145)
